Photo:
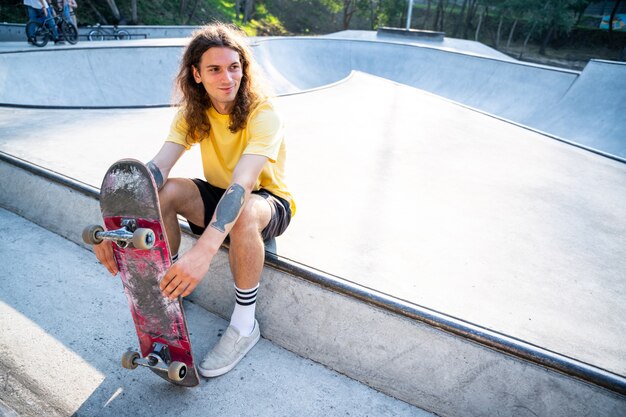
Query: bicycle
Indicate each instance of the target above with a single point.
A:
(100, 33)
(39, 34)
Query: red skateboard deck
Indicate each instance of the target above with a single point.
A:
(130, 208)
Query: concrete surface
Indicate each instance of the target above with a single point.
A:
(336, 323)
(102, 76)
(502, 87)
(592, 112)
(65, 324)
(447, 44)
(501, 227)
(462, 213)
(134, 73)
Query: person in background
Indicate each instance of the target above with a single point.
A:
(39, 10)
(67, 8)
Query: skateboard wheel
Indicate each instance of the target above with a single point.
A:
(129, 358)
(177, 371)
(90, 234)
(143, 239)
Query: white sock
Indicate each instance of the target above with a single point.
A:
(245, 308)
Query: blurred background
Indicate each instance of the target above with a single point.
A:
(564, 33)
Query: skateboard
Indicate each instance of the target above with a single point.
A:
(129, 203)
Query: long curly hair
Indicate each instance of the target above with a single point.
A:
(194, 99)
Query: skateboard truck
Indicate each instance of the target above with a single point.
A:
(158, 359)
(141, 238)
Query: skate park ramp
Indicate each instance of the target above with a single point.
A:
(87, 78)
(573, 106)
(406, 198)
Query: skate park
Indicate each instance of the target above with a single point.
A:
(470, 261)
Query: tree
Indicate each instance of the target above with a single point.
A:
(459, 19)
(518, 10)
(426, 14)
(369, 10)
(114, 10)
(349, 7)
(503, 9)
(532, 13)
(557, 17)
(472, 7)
(186, 13)
(480, 21)
(133, 12)
(439, 16)
(465, 18)
(247, 10)
(389, 10)
(99, 16)
(579, 7)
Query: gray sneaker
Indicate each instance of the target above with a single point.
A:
(227, 353)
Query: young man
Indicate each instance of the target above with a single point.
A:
(244, 196)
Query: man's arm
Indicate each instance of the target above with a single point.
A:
(44, 7)
(185, 274)
(160, 166)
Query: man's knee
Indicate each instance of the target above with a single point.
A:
(181, 196)
(250, 220)
(167, 195)
(174, 195)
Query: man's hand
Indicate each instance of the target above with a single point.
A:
(183, 277)
(104, 253)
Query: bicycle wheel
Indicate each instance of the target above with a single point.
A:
(96, 35)
(69, 32)
(39, 34)
(122, 35)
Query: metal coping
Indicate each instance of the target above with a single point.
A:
(488, 338)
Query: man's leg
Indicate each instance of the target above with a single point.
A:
(246, 256)
(52, 24)
(180, 196)
(33, 14)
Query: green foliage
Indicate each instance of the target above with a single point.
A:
(305, 16)
(161, 12)
(547, 20)
(392, 13)
(556, 14)
(333, 6)
(12, 11)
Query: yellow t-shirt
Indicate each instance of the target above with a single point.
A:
(263, 135)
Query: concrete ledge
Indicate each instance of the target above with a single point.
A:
(349, 329)
(411, 33)
(12, 32)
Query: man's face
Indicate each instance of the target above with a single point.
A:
(220, 73)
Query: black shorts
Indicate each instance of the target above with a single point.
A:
(281, 211)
